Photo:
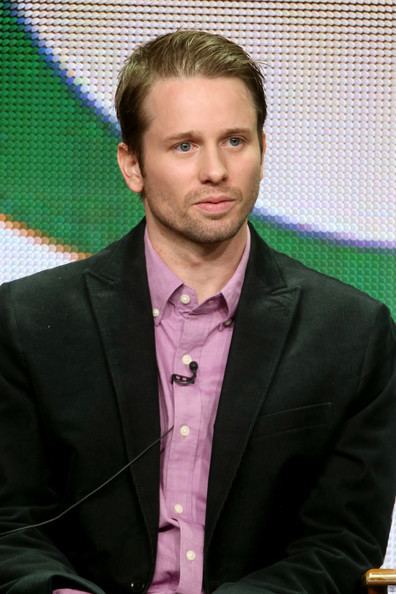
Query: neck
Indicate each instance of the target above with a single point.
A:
(206, 268)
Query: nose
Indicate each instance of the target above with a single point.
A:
(212, 166)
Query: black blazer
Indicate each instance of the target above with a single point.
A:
(302, 477)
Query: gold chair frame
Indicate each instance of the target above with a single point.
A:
(378, 580)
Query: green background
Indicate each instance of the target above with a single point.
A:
(59, 174)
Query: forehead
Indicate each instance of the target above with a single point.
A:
(192, 101)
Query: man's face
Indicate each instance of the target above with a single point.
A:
(202, 160)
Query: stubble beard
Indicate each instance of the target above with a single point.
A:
(208, 231)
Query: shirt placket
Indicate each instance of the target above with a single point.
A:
(184, 448)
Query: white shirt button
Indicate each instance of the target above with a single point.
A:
(228, 322)
(186, 359)
(156, 312)
(185, 298)
(184, 430)
(191, 555)
(178, 508)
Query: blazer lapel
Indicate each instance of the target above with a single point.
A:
(121, 302)
(262, 323)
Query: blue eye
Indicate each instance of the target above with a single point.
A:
(184, 147)
(235, 141)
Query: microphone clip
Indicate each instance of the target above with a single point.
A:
(184, 380)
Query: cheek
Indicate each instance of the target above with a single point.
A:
(156, 185)
(250, 161)
(166, 174)
(250, 173)
(163, 189)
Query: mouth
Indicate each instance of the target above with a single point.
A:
(215, 204)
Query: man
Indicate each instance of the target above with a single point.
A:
(254, 397)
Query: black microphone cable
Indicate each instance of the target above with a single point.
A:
(85, 497)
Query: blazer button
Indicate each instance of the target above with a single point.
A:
(137, 586)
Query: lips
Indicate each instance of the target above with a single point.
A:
(215, 199)
(215, 204)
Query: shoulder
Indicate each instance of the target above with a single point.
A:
(42, 286)
(339, 306)
(322, 285)
(323, 299)
(63, 282)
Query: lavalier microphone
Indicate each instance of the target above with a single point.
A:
(184, 380)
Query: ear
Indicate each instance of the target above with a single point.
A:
(264, 145)
(130, 168)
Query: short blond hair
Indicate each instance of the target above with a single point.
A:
(181, 54)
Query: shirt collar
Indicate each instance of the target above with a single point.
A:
(232, 289)
(163, 282)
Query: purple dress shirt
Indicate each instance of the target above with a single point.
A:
(186, 331)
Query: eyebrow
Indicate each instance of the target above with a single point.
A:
(195, 133)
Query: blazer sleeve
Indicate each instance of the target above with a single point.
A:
(29, 561)
(344, 523)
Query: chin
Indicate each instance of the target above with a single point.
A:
(212, 234)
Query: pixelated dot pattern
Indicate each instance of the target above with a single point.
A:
(328, 195)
